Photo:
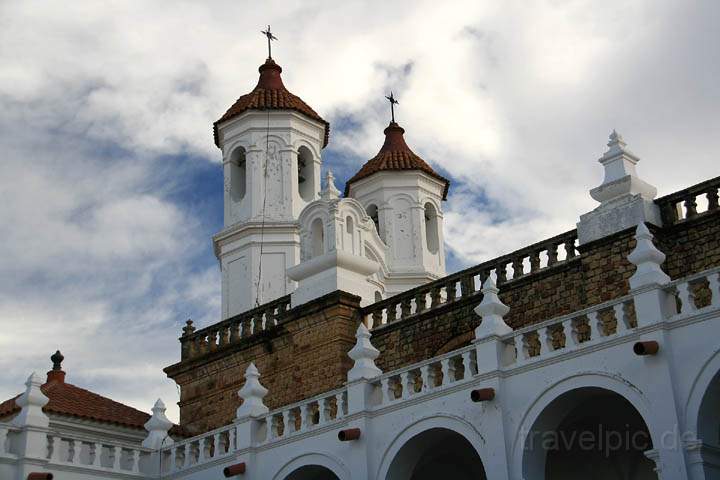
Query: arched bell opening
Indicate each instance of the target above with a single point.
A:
(306, 174)
(238, 175)
(437, 453)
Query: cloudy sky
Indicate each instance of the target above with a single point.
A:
(110, 185)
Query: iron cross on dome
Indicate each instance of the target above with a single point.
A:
(393, 102)
(270, 37)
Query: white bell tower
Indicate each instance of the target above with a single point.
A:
(271, 142)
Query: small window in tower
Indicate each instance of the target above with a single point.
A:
(431, 228)
(372, 212)
(306, 174)
(349, 225)
(238, 174)
(317, 237)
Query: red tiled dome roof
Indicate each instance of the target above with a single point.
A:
(270, 94)
(395, 155)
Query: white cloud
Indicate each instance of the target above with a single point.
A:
(514, 99)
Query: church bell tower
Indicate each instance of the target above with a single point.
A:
(271, 143)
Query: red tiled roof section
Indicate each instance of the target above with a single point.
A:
(67, 399)
(395, 155)
(270, 94)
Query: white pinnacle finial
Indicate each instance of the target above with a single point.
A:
(364, 355)
(492, 311)
(330, 192)
(647, 258)
(31, 402)
(252, 394)
(158, 427)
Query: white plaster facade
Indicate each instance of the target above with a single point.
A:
(263, 197)
(410, 223)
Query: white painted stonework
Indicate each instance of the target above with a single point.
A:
(415, 246)
(625, 199)
(263, 197)
(340, 250)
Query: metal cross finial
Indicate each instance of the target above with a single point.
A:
(393, 102)
(269, 36)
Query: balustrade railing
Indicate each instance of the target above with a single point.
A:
(198, 343)
(303, 416)
(562, 334)
(199, 450)
(696, 292)
(115, 457)
(690, 203)
(426, 376)
(519, 264)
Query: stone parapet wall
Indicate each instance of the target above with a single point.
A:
(303, 351)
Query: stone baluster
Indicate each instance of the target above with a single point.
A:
(173, 460)
(377, 317)
(520, 352)
(594, 323)
(690, 206)
(97, 454)
(234, 331)
(217, 451)
(567, 330)
(55, 451)
(687, 299)
(187, 457)
(534, 261)
(287, 428)
(435, 296)
(569, 248)
(231, 441)
(425, 377)
(670, 213)
(405, 307)
(340, 399)
(212, 339)
(322, 411)
(305, 417)
(404, 383)
(620, 318)
(419, 302)
(547, 338)
(712, 197)
(71, 450)
(202, 444)
(552, 254)
(467, 365)
(387, 393)
(135, 461)
(501, 273)
(223, 335)
(447, 371)
(517, 266)
(452, 291)
(117, 457)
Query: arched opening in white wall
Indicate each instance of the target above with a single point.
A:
(431, 228)
(312, 472)
(589, 433)
(317, 238)
(708, 425)
(238, 174)
(373, 213)
(306, 174)
(437, 453)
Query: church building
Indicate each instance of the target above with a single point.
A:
(346, 352)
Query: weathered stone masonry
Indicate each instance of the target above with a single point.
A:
(303, 351)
